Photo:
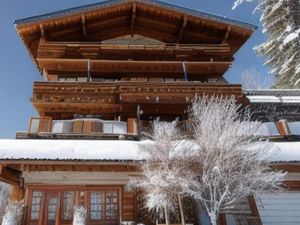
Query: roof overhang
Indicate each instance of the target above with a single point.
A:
(154, 19)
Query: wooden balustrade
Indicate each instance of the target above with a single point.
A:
(121, 98)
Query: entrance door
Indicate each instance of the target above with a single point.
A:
(48, 206)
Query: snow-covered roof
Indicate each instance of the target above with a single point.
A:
(286, 152)
(103, 150)
(273, 96)
(79, 150)
(273, 99)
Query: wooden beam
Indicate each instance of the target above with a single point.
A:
(9, 175)
(226, 36)
(133, 17)
(254, 210)
(182, 28)
(17, 193)
(83, 26)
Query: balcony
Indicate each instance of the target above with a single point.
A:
(121, 98)
(91, 129)
(82, 128)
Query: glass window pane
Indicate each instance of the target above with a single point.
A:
(52, 208)
(35, 205)
(68, 205)
(96, 205)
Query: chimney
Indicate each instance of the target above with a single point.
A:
(283, 127)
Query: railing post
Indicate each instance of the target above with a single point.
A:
(138, 111)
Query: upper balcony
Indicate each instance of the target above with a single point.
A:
(61, 100)
(91, 129)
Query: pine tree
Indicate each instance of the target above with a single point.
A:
(281, 22)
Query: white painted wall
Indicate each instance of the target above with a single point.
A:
(280, 208)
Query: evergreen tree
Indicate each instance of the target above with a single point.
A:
(281, 22)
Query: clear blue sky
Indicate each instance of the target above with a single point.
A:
(17, 71)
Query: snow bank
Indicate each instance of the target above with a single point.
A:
(69, 150)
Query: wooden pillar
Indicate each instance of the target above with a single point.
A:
(17, 193)
(222, 219)
(58, 210)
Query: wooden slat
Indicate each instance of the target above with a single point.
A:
(77, 128)
(87, 127)
(9, 175)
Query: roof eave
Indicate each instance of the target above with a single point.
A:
(94, 6)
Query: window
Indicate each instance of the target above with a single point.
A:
(68, 205)
(36, 205)
(111, 205)
(52, 208)
(96, 202)
(104, 206)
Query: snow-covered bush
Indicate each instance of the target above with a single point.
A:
(13, 213)
(230, 163)
(164, 169)
(79, 215)
(4, 195)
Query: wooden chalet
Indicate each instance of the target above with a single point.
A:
(108, 69)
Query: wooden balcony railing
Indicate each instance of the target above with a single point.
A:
(122, 98)
(85, 128)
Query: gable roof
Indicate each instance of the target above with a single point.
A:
(155, 19)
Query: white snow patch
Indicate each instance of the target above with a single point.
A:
(273, 99)
(285, 151)
(290, 37)
(69, 150)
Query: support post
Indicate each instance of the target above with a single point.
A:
(185, 71)
(58, 210)
(17, 193)
(89, 70)
(138, 114)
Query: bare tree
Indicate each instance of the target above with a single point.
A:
(79, 215)
(163, 171)
(252, 79)
(231, 162)
(4, 195)
(13, 213)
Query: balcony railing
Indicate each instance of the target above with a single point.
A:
(82, 128)
(91, 128)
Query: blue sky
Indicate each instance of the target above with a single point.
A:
(17, 71)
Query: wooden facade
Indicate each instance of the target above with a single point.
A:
(108, 69)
